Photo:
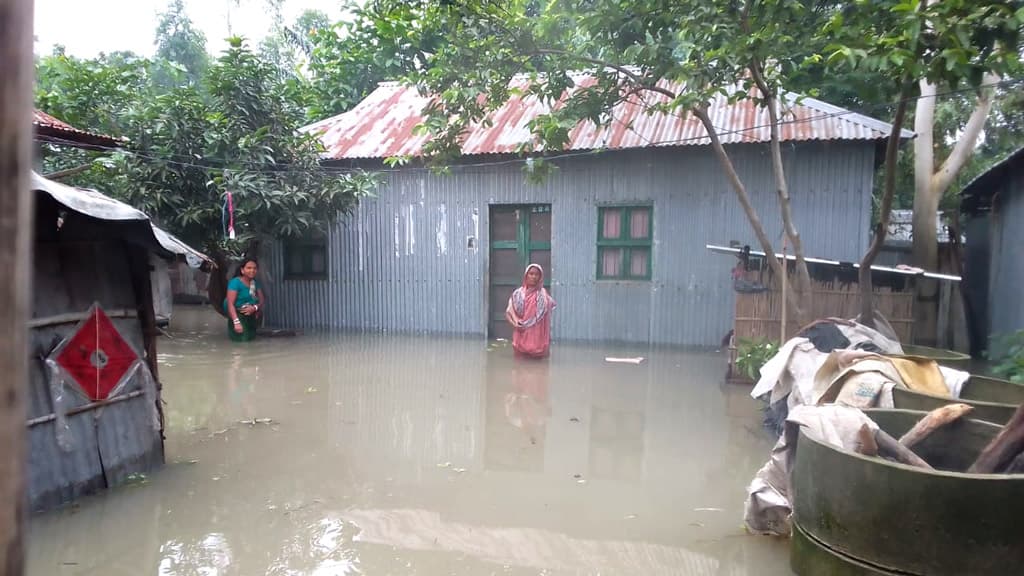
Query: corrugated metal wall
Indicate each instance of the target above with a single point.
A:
(107, 445)
(404, 262)
(976, 279)
(1005, 305)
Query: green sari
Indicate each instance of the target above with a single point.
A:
(246, 295)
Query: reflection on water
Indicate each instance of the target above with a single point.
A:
(367, 454)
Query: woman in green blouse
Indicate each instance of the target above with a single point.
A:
(244, 303)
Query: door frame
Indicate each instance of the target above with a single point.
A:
(523, 246)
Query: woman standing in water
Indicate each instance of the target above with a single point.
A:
(529, 312)
(244, 302)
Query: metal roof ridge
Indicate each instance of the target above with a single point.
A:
(845, 114)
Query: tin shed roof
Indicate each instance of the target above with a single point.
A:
(382, 125)
(58, 131)
(94, 204)
(977, 194)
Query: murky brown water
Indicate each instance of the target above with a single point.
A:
(403, 455)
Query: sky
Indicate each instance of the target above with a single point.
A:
(88, 27)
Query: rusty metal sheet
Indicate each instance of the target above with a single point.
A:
(382, 125)
(52, 128)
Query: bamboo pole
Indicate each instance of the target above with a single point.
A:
(85, 408)
(785, 273)
(15, 283)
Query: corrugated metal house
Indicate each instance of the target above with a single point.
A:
(994, 267)
(621, 226)
(94, 408)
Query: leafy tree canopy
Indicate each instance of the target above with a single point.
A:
(235, 130)
(180, 44)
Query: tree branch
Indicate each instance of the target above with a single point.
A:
(68, 172)
(782, 187)
(924, 142)
(964, 148)
(744, 198)
(633, 76)
(867, 306)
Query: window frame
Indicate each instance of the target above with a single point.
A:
(304, 248)
(625, 242)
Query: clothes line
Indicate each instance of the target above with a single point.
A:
(908, 271)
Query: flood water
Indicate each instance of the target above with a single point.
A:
(429, 456)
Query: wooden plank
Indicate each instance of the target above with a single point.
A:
(147, 317)
(15, 257)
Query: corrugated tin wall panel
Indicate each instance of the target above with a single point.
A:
(403, 263)
(106, 445)
(1005, 305)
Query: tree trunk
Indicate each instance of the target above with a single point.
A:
(15, 253)
(930, 184)
(867, 295)
(803, 284)
(1004, 448)
(889, 446)
(748, 208)
(925, 251)
(217, 287)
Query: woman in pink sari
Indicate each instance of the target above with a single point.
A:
(529, 313)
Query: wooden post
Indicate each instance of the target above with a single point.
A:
(143, 288)
(785, 279)
(15, 253)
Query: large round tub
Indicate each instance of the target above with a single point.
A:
(857, 515)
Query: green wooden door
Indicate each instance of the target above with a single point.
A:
(520, 235)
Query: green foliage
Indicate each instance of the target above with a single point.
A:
(243, 138)
(1008, 355)
(876, 46)
(180, 44)
(949, 43)
(469, 52)
(285, 48)
(346, 61)
(96, 95)
(751, 355)
(856, 54)
(93, 94)
(236, 130)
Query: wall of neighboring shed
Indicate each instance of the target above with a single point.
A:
(188, 285)
(976, 276)
(403, 262)
(106, 445)
(1006, 265)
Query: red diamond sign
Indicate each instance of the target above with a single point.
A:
(97, 357)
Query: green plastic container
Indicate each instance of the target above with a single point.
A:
(862, 515)
(994, 400)
(949, 358)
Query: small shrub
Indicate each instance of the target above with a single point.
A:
(752, 354)
(1007, 354)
